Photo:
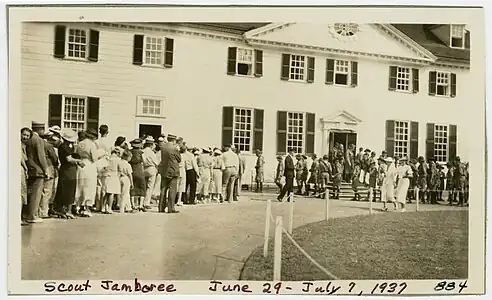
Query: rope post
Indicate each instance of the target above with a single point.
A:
(277, 253)
(371, 195)
(327, 201)
(417, 198)
(267, 227)
(291, 214)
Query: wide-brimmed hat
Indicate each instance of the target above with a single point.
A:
(279, 156)
(55, 129)
(149, 139)
(404, 158)
(206, 150)
(325, 157)
(388, 159)
(196, 151)
(367, 150)
(69, 135)
(304, 156)
(92, 132)
(136, 141)
(218, 152)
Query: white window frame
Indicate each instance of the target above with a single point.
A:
(448, 86)
(348, 73)
(399, 71)
(67, 43)
(162, 54)
(446, 144)
(252, 63)
(235, 132)
(396, 132)
(302, 133)
(304, 68)
(63, 117)
(461, 35)
(140, 100)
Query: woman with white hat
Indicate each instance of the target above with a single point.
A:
(388, 187)
(218, 167)
(404, 173)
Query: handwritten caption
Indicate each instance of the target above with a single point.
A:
(215, 286)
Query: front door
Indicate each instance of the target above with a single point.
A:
(153, 130)
(344, 138)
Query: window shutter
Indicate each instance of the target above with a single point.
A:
(330, 71)
(429, 144)
(467, 40)
(415, 81)
(432, 83)
(93, 45)
(227, 124)
(452, 142)
(258, 130)
(453, 85)
(390, 138)
(310, 73)
(169, 54)
(310, 132)
(138, 41)
(353, 79)
(392, 78)
(55, 110)
(258, 63)
(414, 140)
(93, 113)
(60, 32)
(285, 66)
(282, 132)
(231, 60)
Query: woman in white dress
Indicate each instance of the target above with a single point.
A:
(404, 173)
(388, 187)
(182, 176)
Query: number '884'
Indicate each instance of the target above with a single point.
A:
(451, 286)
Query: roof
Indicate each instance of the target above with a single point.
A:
(422, 35)
(237, 28)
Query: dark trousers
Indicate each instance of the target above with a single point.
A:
(191, 184)
(168, 185)
(288, 187)
(35, 193)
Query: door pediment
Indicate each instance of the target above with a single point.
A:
(340, 120)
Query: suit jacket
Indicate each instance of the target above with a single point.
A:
(289, 169)
(170, 159)
(36, 156)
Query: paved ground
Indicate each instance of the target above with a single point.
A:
(202, 242)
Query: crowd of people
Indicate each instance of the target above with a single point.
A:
(396, 179)
(71, 174)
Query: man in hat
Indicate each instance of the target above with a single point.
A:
(191, 176)
(169, 170)
(324, 173)
(206, 162)
(460, 175)
(289, 173)
(38, 171)
(239, 177)
(231, 163)
(279, 174)
(349, 163)
(150, 164)
(260, 171)
(51, 142)
(422, 173)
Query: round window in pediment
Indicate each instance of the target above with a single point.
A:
(346, 29)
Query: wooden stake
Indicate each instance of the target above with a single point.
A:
(267, 227)
(327, 200)
(277, 253)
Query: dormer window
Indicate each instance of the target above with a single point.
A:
(457, 36)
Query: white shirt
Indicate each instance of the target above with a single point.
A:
(104, 143)
(149, 158)
(230, 159)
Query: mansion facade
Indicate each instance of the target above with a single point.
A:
(269, 86)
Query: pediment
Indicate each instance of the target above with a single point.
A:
(372, 39)
(341, 117)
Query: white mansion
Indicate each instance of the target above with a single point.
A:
(269, 86)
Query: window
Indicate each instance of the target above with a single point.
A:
(77, 43)
(150, 107)
(402, 138)
(342, 72)
(242, 128)
(154, 51)
(295, 131)
(346, 29)
(403, 79)
(297, 67)
(74, 112)
(245, 61)
(457, 36)
(442, 84)
(441, 143)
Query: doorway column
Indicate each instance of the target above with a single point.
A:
(325, 141)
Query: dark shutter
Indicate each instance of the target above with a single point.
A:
(258, 63)
(414, 140)
(392, 78)
(432, 83)
(285, 66)
(55, 110)
(93, 113)
(453, 85)
(231, 60)
(353, 78)
(258, 130)
(60, 33)
(138, 41)
(227, 124)
(330, 71)
(282, 132)
(310, 132)
(467, 40)
(390, 138)
(93, 45)
(452, 142)
(415, 80)
(310, 72)
(429, 143)
(169, 54)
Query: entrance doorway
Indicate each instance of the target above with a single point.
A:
(345, 138)
(153, 130)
